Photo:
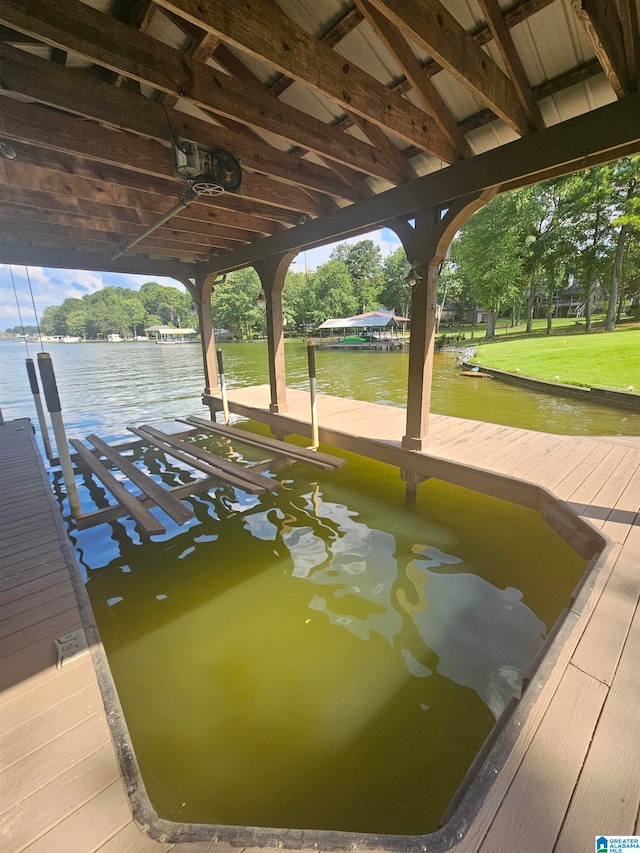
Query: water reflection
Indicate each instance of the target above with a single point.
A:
(297, 659)
(469, 631)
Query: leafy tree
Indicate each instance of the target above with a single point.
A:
(488, 256)
(234, 304)
(335, 290)
(364, 264)
(299, 304)
(168, 303)
(625, 176)
(396, 292)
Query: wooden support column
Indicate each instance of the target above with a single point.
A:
(272, 273)
(200, 290)
(426, 246)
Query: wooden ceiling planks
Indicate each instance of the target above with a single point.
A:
(93, 144)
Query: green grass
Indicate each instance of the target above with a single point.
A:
(610, 360)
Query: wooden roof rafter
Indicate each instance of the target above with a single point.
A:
(94, 142)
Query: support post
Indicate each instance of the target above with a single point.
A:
(35, 390)
(200, 290)
(272, 273)
(223, 388)
(426, 246)
(52, 399)
(311, 358)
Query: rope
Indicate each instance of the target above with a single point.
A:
(15, 293)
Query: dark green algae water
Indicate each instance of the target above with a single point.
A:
(321, 657)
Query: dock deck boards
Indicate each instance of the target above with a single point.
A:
(571, 774)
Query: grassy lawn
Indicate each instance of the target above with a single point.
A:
(611, 360)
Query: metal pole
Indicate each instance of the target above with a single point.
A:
(35, 390)
(223, 387)
(189, 196)
(52, 399)
(311, 358)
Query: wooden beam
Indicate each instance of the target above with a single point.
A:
(269, 35)
(331, 37)
(169, 242)
(383, 144)
(60, 132)
(188, 231)
(595, 137)
(199, 215)
(512, 61)
(435, 29)
(57, 258)
(111, 244)
(422, 86)
(77, 27)
(162, 497)
(315, 458)
(74, 91)
(142, 517)
(628, 12)
(233, 210)
(232, 64)
(255, 483)
(604, 30)
(76, 188)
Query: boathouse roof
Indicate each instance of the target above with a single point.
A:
(370, 320)
(344, 116)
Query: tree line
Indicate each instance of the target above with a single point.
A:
(518, 250)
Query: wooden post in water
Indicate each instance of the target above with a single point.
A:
(311, 358)
(35, 390)
(223, 387)
(50, 388)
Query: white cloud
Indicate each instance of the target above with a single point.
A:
(53, 286)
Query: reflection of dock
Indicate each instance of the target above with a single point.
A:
(390, 345)
(566, 773)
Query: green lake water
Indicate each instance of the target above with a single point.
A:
(106, 387)
(321, 657)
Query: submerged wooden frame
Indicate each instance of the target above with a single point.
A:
(509, 732)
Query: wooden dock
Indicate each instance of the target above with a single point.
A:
(569, 775)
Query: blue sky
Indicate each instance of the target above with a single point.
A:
(53, 286)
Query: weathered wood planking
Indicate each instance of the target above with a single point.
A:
(302, 454)
(159, 495)
(148, 523)
(34, 816)
(223, 465)
(603, 640)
